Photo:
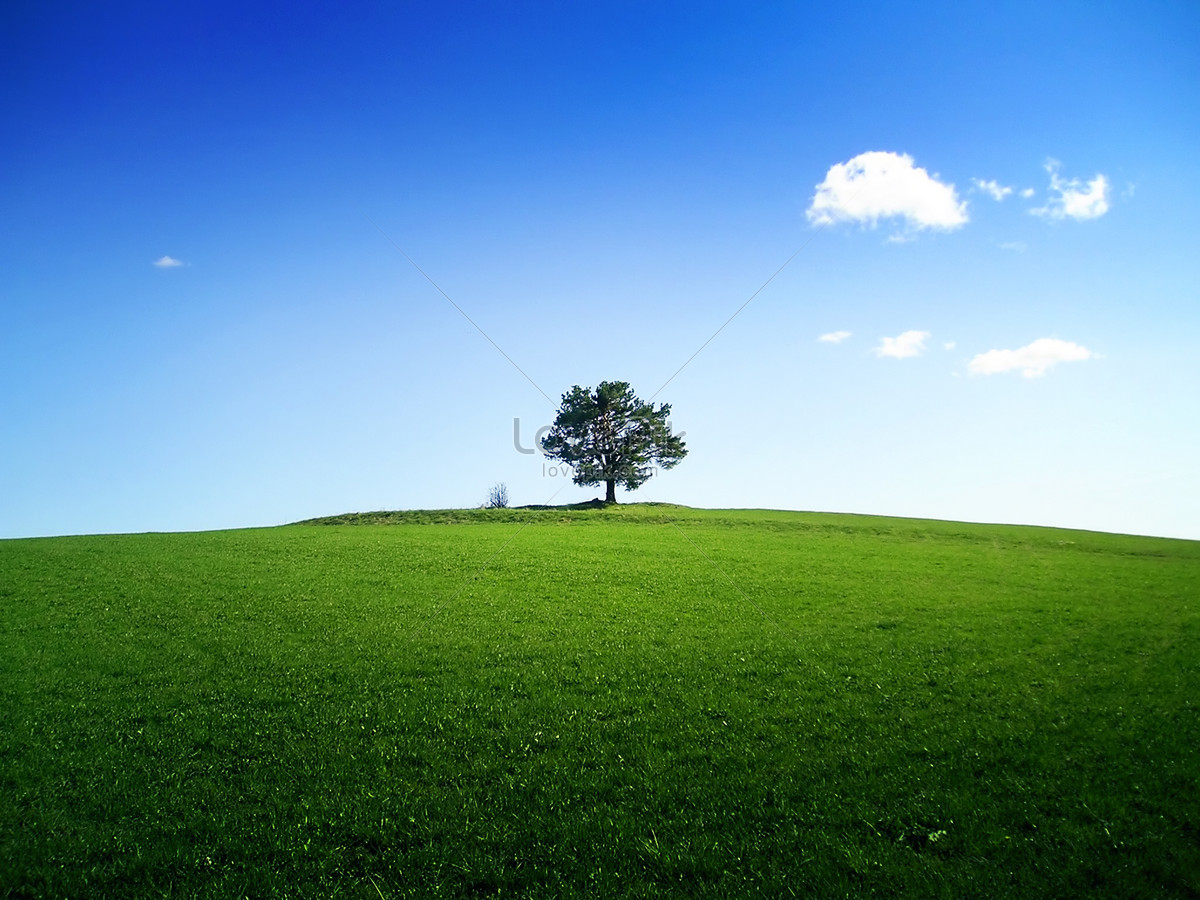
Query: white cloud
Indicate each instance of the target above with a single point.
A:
(884, 185)
(1074, 201)
(1033, 360)
(911, 343)
(1015, 246)
(1028, 192)
(950, 345)
(167, 262)
(834, 337)
(995, 190)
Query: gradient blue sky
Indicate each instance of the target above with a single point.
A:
(599, 186)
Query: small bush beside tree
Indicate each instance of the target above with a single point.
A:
(497, 497)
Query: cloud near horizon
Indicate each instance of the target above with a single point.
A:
(167, 262)
(1074, 201)
(884, 185)
(908, 344)
(834, 337)
(1033, 360)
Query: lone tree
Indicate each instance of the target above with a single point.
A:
(608, 435)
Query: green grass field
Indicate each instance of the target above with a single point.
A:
(638, 701)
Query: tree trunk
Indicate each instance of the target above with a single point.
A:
(612, 491)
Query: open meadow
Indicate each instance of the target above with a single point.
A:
(631, 701)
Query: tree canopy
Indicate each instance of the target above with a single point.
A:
(609, 436)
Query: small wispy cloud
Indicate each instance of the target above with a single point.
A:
(168, 262)
(950, 345)
(884, 185)
(1032, 360)
(1075, 200)
(903, 346)
(993, 189)
(1015, 246)
(834, 337)
(1026, 193)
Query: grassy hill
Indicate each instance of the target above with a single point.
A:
(633, 701)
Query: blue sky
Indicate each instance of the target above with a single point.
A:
(207, 322)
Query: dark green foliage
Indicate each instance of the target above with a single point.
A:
(632, 701)
(610, 437)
